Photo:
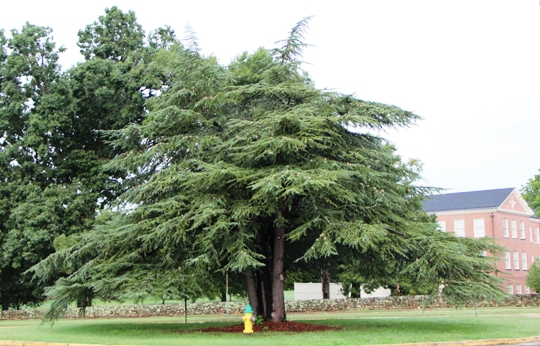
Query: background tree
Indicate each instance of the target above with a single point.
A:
(52, 148)
(29, 79)
(113, 36)
(533, 277)
(531, 193)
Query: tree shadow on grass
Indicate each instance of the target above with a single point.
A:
(361, 331)
(138, 329)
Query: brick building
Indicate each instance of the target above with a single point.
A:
(502, 214)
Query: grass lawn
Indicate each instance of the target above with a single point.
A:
(360, 327)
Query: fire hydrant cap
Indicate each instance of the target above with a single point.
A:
(249, 309)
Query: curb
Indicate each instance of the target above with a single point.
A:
(508, 341)
(37, 343)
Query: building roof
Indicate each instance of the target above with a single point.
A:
(467, 200)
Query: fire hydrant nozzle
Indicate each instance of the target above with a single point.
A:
(248, 320)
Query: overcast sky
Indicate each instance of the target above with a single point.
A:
(469, 68)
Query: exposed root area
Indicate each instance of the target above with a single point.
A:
(271, 327)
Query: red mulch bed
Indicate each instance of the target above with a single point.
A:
(271, 327)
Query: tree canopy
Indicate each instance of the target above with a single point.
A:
(531, 193)
(29, 203)
(51, 146)
(250, 168)
(533, 276)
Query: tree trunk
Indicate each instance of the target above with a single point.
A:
(325, 278)
(260, 295)
(265, 281)
(267, 293)
(84, 301)
(278, 276)
(355, 290)
(5, 304)
(251, 291)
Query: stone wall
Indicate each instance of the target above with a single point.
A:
(388, 303)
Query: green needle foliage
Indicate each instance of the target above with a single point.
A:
(250, 168)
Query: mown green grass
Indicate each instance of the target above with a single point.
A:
(359, 327)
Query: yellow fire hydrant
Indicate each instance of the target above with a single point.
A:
(248, 320)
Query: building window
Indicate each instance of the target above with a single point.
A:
(510, 289)
(459, 228)
(527, 290)
(537, 236)
(524, 260)
(442, 226)
(507, 261)
(518, 289)
(514, 230)
(516, 260)
(530, 234)
(522, 230)
(479, 229)
(505, 228)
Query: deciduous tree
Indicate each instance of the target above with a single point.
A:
(29, 77)
(52, 149)
(531, 193)
(533, 276)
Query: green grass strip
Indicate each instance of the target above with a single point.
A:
(359, 328)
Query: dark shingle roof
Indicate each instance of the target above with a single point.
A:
(467, 200)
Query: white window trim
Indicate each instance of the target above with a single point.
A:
(514, 229)
(461, 228)
(507, 260)
(516, 260)
(479, 228)
(506, 234)
(522, 230)
(524, 260)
